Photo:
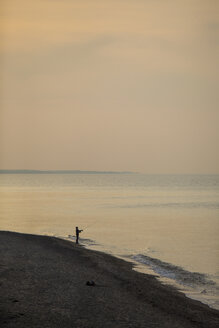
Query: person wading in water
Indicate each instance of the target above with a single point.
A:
(77, 234)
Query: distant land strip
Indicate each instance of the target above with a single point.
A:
(61, 172)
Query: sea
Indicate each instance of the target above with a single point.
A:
(166, 225)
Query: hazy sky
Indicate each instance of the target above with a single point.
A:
(110, 85)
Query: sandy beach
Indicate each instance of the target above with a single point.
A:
(43, 284)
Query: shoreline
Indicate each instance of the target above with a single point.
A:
(197, 292)
(43, 283)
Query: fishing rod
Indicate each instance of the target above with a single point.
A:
(88, 226)
(91, 224)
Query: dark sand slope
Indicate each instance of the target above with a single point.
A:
(43, 284)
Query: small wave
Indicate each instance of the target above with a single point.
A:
(86, 241)
(174, 272)
(190, 205)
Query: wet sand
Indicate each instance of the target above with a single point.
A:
(43, 284)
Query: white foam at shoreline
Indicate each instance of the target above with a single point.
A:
(174, 272)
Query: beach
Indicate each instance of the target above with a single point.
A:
(166, 225)
(43, 284)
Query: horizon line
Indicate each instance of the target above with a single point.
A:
(30, 171)
(34, 171)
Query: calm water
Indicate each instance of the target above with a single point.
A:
(167, 224)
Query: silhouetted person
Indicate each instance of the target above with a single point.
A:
(77, 234)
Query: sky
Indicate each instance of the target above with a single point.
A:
(119, 85)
